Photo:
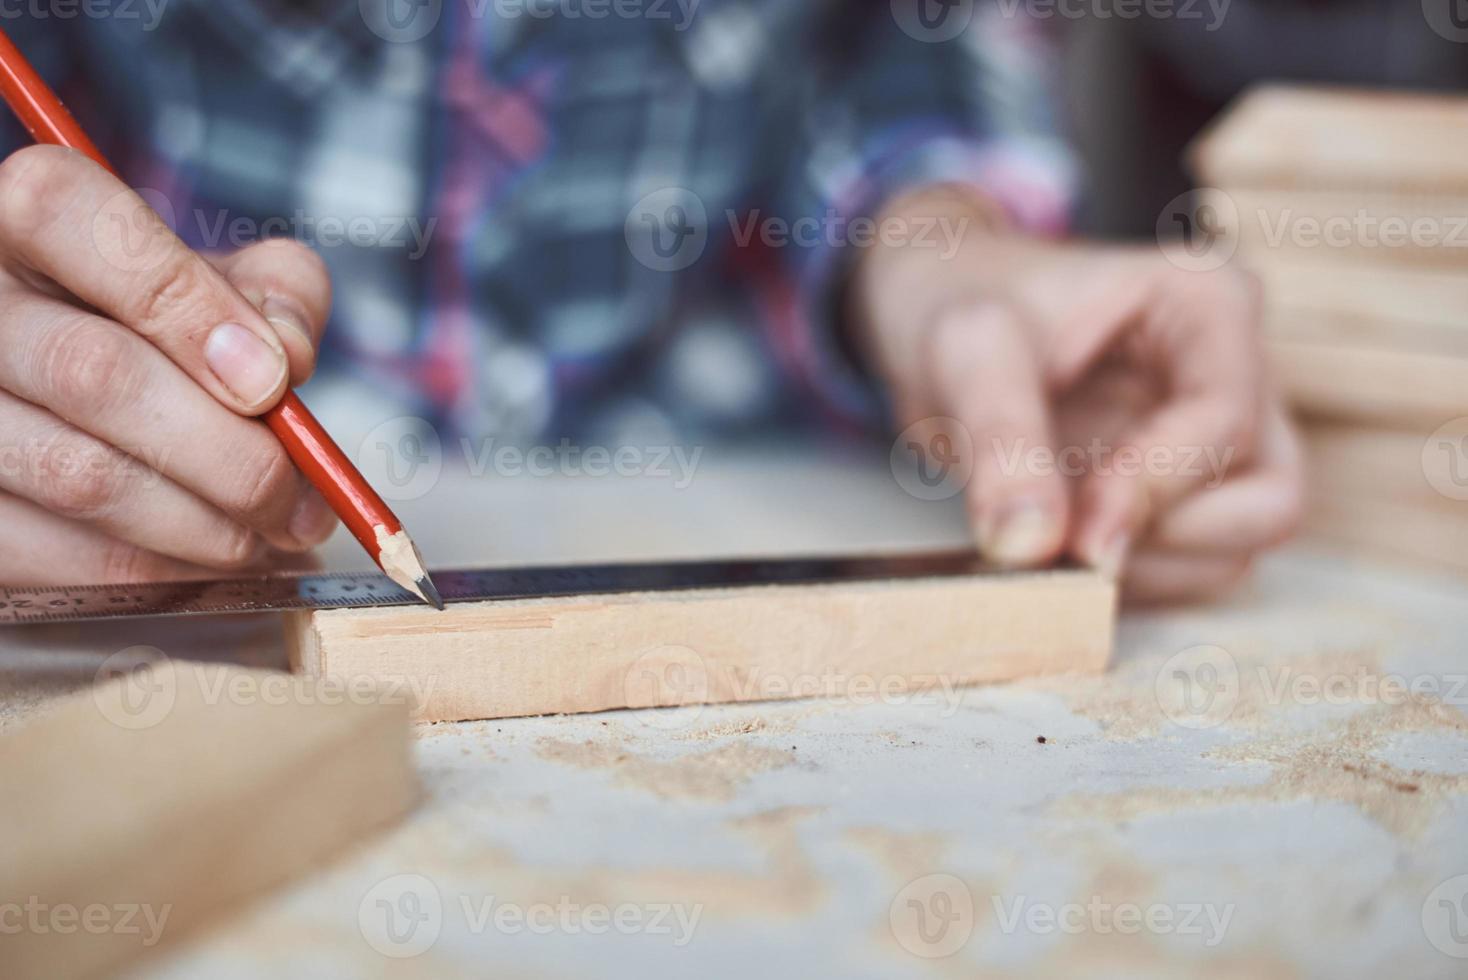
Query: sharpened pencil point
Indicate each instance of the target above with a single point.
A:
(399, 558)
(429, 592)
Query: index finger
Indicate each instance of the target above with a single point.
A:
(71, 221)
(1199, 334)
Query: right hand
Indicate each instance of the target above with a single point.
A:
(130, 369)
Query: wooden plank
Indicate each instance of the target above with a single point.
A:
(1400, 304)
(153, 803)
(1334, 381)
(1396, 466)
(1304, 137)
(1426, 232)
(1381, 529)
(592, 653)
(1364, 333)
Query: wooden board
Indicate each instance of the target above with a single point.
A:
(1396, 466)
(152, 803)
(1400, 306)
(1426, 232)
(1285, 323)
(1372, 385)
(591, 653)
(1432, 537)
(1303, 137)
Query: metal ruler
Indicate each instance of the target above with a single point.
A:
(51, 604)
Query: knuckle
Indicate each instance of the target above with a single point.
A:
(82, 482)
(267, 481)
(287, 252)
(32, 185)
(122, 562)
(87, 366)
(178, 292)
(237, 547)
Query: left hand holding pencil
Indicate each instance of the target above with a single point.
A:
(130, 366)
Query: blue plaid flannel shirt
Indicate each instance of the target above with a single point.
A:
(536, 212)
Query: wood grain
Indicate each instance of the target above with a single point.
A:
(1305, 137)
(592, 653)
(158, 800)
(1370, 385)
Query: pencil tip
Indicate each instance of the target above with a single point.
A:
(429, 591)
(399, 558)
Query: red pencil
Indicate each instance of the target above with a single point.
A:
(310, 448)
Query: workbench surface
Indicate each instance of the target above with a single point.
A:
(1272, 787)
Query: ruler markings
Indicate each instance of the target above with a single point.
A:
(336, 590)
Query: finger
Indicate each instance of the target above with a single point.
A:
(1159, 576)
(1198, 335)
(288, 283)
(41, 548)
(1256, 511)
(985, 374)
(81, 478)
(66, 218)
(110, 383)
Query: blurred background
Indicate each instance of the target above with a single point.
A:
(1140, 89)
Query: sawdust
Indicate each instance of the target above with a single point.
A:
(784, 886)
(714, 775)
(906, 856)
(1089, 953)
(1125, 701)
(1093, 954)
(1337, 764)
(730, 729)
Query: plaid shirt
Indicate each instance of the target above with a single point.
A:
(537, 213)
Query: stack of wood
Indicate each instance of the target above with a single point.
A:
(1352, 207)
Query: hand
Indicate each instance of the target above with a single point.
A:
(129, 369)
(1118, 406)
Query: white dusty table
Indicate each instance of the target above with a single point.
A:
(1273, 787)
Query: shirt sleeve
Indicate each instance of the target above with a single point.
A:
(914, 99)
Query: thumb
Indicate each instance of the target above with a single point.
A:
(987, 376)
(288, 283)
